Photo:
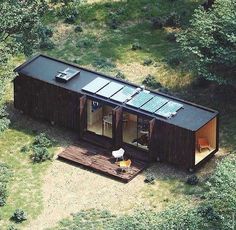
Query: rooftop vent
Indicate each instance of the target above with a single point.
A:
(66, 75)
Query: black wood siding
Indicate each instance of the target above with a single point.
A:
(172, 144)
(45, 101)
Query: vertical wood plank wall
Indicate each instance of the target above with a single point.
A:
(173, 144)
(45, 101)
(117, 121)
(83, 115)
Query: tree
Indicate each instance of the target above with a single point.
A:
(209, 44)
(19, 23)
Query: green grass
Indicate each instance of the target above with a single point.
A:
(97, 46)
(26, 182)
(114, 46)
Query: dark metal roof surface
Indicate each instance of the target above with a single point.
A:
(44, 68)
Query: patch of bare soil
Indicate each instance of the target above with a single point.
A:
(68, 189)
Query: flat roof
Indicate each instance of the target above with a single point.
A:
(45, 68)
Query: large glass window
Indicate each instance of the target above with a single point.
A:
(135, 130)
(99, 118)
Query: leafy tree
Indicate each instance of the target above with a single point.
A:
(19, 22)
(19, 25)
(210, 42)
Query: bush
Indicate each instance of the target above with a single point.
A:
(174, 59)
(78, 29)
(171, 37)
(149, 180)
(151, 82)
(120, 75)
(19, 215)
(113, 21)
(173, 19)
(148, 62)
(45, 33)
(3, 193)
(12, 227)
(192, 180)
(39, 148)
(136, 46)
(103, 63)
(4, 121)
(42, 140)
(25, 149)
(86, 42)
(158, 23)
(46, 44)
(40, 154)
(5, 175)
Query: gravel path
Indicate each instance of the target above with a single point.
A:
(68, 189)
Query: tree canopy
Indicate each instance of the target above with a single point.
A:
(19, 25)
(209, 44)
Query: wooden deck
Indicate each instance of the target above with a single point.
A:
(100, 160)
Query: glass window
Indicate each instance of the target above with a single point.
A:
(99, 118)
(135, 130)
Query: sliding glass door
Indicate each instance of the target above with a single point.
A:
(99, 118)
(135, 130)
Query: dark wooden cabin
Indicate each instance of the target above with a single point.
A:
(112, 113)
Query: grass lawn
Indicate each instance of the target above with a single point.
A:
(109, 51)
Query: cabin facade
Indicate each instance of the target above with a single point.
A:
(112, 113)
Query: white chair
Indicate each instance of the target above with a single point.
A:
(118, 154)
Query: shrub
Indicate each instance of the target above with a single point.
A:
(136, 46)
(40, 154)
(19, 215)
(174, 59)
(113, 21)
(46, 44)
(120, 75)
(4, 124)
(173, 19)
(78, 29)
(42, 140)
(171, 37)
(3, 193)
(148, 62)
(70, 12)
(25, 149)
(192, 180)
(158, 23)
(45, 31)
(5, 175)
(70, 19)
(151, 82)
(208, 212)
(103, 63)
(4, 121)
(86, 42)
(149, 180)
(12, 227)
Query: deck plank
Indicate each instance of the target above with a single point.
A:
(100, 160)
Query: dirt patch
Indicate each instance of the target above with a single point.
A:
(68, 189)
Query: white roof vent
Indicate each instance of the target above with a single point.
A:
(66, 75)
